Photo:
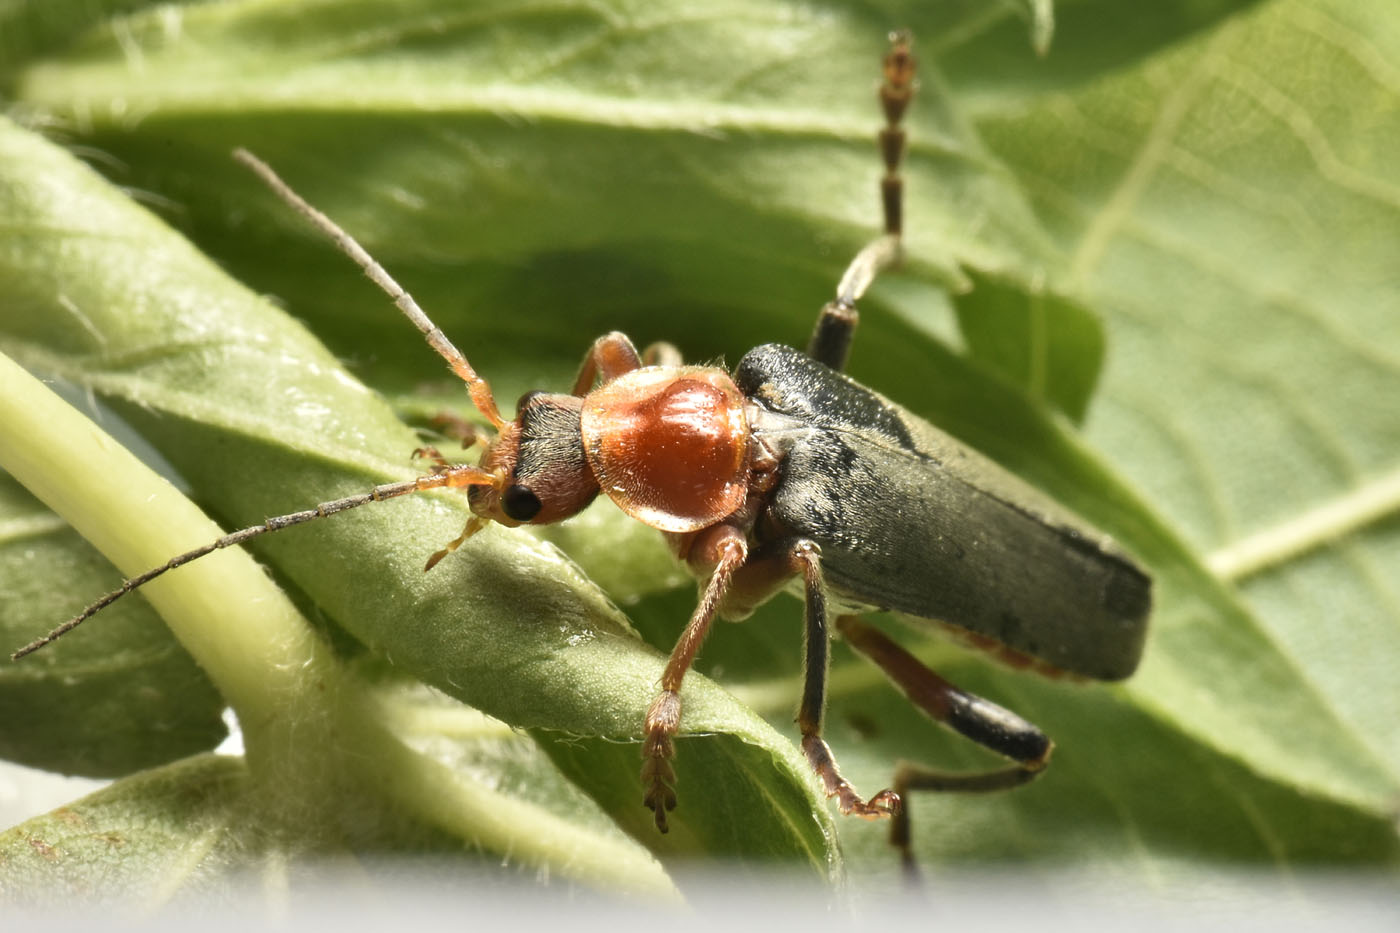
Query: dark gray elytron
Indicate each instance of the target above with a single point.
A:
(910, 520)
(887, 512)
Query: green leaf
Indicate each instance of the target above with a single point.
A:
(197, 830)
(1236, 223)
(147, 838)
(28, 29)
(321, 744)
(170, 335)
(126, 698)
(983, 50)
(539, 176)
(699, 138)
(1007, 330)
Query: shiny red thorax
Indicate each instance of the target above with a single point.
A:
(669, 446)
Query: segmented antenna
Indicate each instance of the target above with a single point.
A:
(445, 476)
(451, 477)
(478, 388)
(896, 91)
(831, 338)
(895, 94)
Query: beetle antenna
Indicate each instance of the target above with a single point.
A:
(831, 340)
(896, 91)
(454, 476)
(478, 388)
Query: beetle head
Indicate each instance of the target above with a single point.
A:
(539, 458)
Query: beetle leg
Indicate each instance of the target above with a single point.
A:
(430, 452)
(831, 338)
(662, 353)
(610, 356)
(458, 428)
(474, 524)
(805, 558)
(766, 572)
(725, 547)
(836, 325)
(982, 721)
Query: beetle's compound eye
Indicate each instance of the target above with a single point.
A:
(519, 503)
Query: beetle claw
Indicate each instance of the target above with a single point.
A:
(659, 747)
(659, 780)
(884, 804)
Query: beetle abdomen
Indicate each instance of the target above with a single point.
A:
(910, 520)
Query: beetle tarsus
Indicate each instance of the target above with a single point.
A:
(659, 747)
(911, 777)
(432, 454)
(723, 548)
(909, 869)
(474, 524)
(989, 725)
(804, 557)
(885, 803)
(458, 428)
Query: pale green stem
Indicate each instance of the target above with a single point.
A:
(224, 608)
(297, 705)
(468, 808)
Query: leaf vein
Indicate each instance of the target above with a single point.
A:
(1336, 518)
(1156, 146)
(1312, 137)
